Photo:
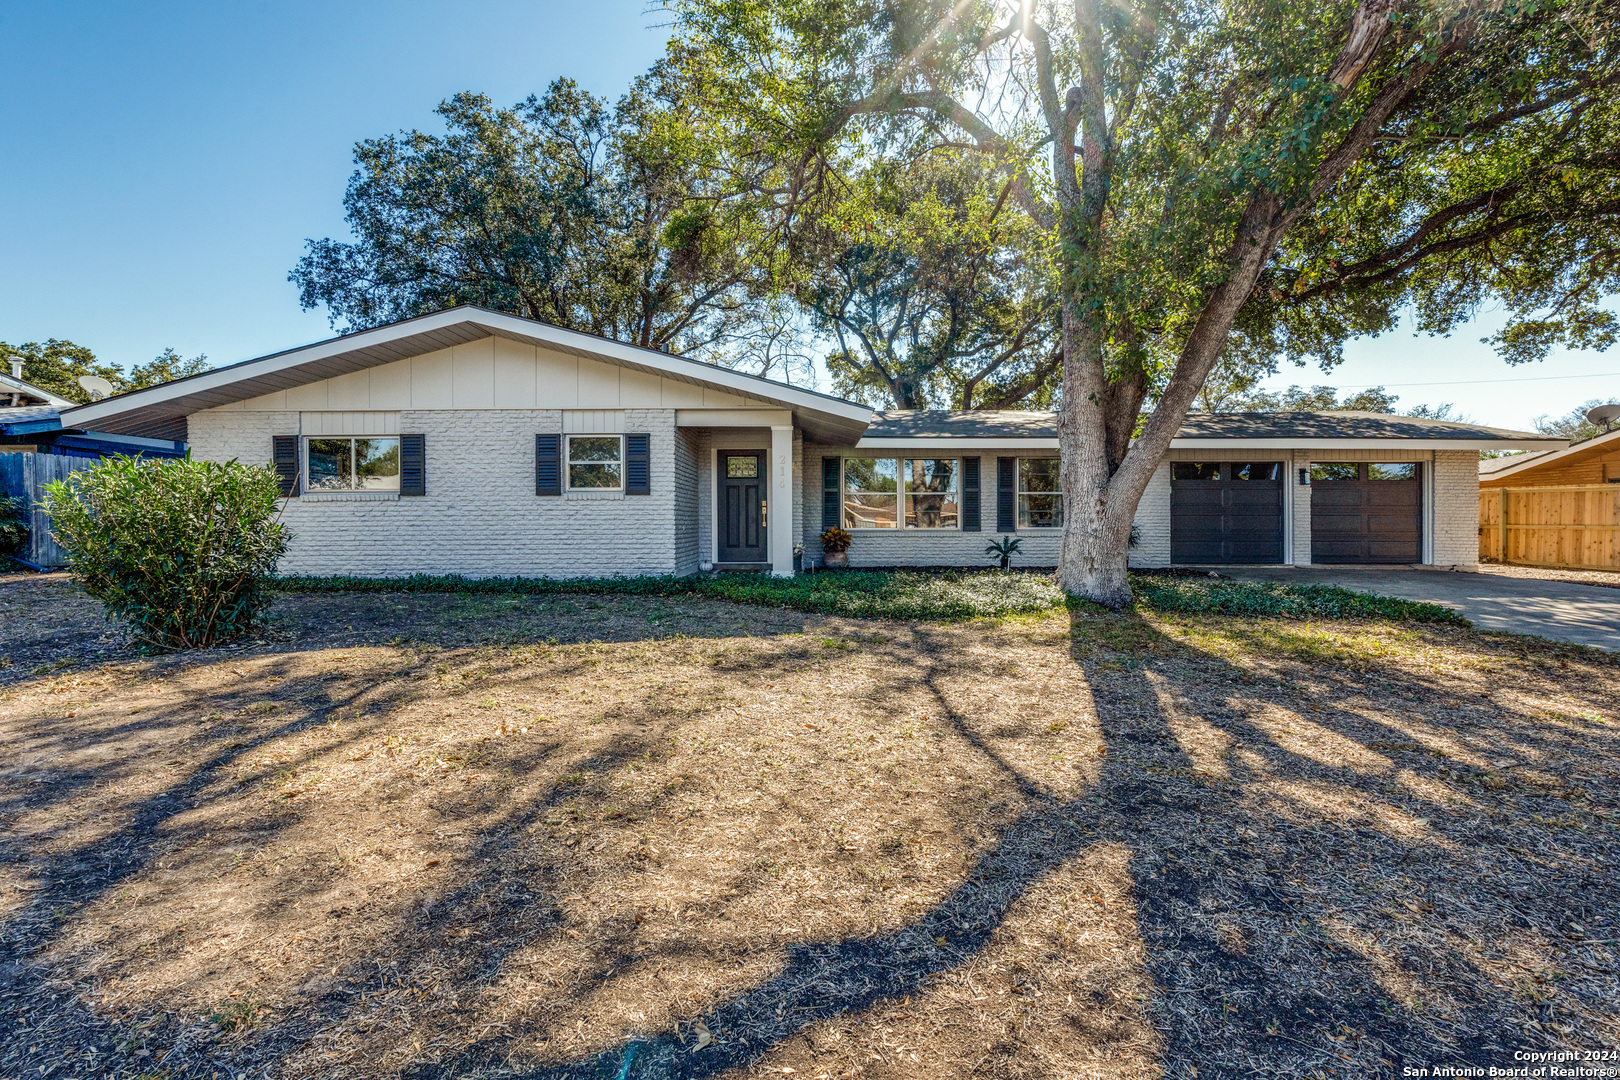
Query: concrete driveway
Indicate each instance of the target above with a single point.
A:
(1583, 614)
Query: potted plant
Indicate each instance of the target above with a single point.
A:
(835, 542)
(1004, 549)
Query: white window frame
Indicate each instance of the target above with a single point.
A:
(568, 462)
(902, 481)
(1019, 493)
(303, 464)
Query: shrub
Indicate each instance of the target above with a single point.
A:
(13, 526)
(1270, 599)
(180, 550)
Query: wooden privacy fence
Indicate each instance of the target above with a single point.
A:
(1551, 526)
(24, 476)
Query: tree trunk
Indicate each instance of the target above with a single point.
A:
(1096, 526)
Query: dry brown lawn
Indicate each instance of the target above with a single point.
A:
(435, 836)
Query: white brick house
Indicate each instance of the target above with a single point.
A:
(483, 444)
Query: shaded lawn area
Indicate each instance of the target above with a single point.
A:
(422, 835)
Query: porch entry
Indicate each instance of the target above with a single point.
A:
(743, 508)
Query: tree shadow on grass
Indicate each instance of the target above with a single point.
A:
(1258, 881)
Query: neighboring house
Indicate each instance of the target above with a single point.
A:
(480, 443)
(1589, 462)
(1556, 507)
(31, 422)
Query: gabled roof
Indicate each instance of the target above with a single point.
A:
(159, 409)
(1260, 429)
(1495, 468)
(10, 384)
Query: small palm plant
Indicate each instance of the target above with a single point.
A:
(1005, 549)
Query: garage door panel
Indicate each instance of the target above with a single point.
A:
(1366, 520)
(1225, 520)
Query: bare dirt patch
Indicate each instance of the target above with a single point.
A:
(576, 836)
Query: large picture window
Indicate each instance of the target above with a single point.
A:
(870, 493)
(357, 464)
(931, 493)
(909, 493)
(1040, 493)
(595, 462)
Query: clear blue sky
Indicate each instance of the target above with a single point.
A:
(164, 163)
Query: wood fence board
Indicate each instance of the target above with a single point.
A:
(1564, 526)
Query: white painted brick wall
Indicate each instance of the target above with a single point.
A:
(480, 516)
(686, 501)
(1153, 521)
(1456, 508)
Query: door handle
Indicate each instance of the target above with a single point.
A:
(764, 511)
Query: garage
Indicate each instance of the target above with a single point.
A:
(1226, 512)
(1366, 512)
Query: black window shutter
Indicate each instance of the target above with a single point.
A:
(830, 508)
(970, 494)
(413, 465)
(1006, 494)
(548, 464)
(284, 453)
(637, 465)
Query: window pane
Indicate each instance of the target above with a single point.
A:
(330, 464)
(1263, 471)
(377, 463)
(593, 448)
(931, 474)
(869, 474)
(742, 468)
(868, 511)
(1040, 511)
(1038, 474)
(931, 512)
(1195, 470)
(1399, 470)
(1335, 470)
(593, 476)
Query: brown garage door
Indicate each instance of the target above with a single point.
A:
(1226, 512)
(1366, 512)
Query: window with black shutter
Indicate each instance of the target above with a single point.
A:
(970, 494)
(284, 453)
(413, 465)
(1006, 494)
(830, 508)
(637, 465)
(548, 464)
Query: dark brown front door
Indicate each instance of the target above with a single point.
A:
(1366, 512)
(742, 506)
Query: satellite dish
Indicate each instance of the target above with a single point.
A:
(95, 386)
(1605, 415)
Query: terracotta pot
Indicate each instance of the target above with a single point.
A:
(837, 560)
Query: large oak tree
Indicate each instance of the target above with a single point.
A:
(1259, 176)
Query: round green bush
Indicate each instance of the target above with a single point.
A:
(180, 550)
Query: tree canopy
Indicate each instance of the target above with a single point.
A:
(56, 365)
(1239, 177)
(593, 217)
